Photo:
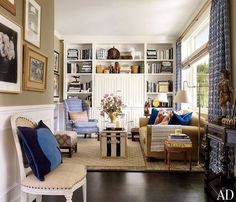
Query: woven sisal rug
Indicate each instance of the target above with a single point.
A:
(89, 154)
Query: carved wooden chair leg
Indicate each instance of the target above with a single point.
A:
(68, 197)
(39, 198)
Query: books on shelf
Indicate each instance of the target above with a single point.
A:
(160, 67)
(79, 54)
(161, 54)
(84, 67)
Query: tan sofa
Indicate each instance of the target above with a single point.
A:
(145, 133)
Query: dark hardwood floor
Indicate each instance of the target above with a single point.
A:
(140, 187)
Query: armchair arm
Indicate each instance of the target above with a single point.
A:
(143, 121)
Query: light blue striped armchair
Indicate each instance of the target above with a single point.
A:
(78, 105)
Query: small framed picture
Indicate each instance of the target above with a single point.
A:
(10, 56)
(35, 70)
(9, 5)
(32, 22)
(56, 86)
(56, 62)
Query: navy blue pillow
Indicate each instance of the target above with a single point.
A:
(153, 116)
(184, 119)
(41, 149)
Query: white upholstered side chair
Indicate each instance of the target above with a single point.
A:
(64, 180)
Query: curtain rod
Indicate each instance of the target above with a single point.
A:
(195, 19)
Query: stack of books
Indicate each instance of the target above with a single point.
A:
(181, 140)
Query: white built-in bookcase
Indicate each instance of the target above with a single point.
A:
(132, 87)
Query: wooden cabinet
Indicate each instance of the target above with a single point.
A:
(219, 159)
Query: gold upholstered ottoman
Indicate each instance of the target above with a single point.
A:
(67, 140)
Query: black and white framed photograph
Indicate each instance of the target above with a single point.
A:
(9, 5)
(35, 70)
(56, 62)
(56, 85)
(10, 56)
(32, 22)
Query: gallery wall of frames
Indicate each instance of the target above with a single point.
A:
(26, 61)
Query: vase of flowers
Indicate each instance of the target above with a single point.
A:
(111, 105)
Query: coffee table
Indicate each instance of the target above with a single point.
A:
(113, 144)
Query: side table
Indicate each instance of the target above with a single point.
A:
(134, 133)
(178, 147)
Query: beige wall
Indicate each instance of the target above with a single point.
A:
(47, 47)
(58, 46)
(233, 42)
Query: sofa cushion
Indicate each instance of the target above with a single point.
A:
(153, 116)
(79, 116)
(183, 119)
(41, 149)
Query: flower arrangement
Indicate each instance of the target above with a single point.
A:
(111, 104)
(6, 47)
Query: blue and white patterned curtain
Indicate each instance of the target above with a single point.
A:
(178, 83)
(219, 52)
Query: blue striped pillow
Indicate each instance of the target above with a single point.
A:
(41, 149)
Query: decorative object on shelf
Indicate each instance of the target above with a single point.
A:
(35, 70)
(111, 105)
(137, 55)
(101, 54)
(56, 86)
(9, 5)
(32, 22)
(126, 56)
(72, 54)
(100, 69)
(113, 53)
(117, 67)
(10, 56)
(228, 121)
(125, 69)
(155, 103)
(134, 69)
(146, 108)
(163, 86)
(225, 91)
(56, 62)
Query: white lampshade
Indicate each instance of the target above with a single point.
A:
(182, 97)
(161, 97)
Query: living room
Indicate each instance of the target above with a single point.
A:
(159, 64)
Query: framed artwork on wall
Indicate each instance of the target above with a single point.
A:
(56, 62)
(35, 70)
(9, 5)
(32, 22)
(56, 86)
(10, 56)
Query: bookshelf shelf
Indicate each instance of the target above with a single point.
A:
(82, 60)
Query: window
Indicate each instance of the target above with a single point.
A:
(195, 61)
(197, 74)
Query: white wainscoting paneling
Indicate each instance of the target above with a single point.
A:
(9, 183)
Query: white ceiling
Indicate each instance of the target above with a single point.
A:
(123, 17)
